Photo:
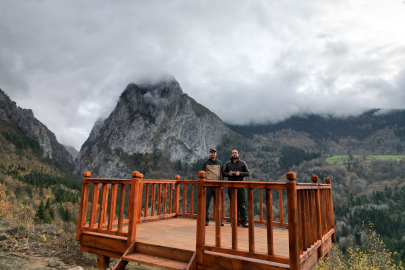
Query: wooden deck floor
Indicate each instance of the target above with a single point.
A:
(181, 233)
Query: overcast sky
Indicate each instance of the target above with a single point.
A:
(246, 61)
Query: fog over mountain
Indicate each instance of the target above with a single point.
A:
(245, 61)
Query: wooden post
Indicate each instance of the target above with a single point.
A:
(293, 221)
(133, 207)
(191, 199)
(103, 262)
(200, 239)
(184, 199)
(318, 216)
(332, 218)
(269, 220)
(81, 221)
(177, 195)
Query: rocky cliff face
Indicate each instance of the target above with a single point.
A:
(149, 118)
(24, 121)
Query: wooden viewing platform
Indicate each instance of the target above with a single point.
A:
(168, 230)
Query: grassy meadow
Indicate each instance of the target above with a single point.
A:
(340, 159)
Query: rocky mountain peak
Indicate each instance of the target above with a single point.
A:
(151, 116)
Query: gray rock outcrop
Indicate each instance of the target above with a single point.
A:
(28, 125)
(149, 118)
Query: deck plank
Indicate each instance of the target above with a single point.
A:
(181, 233)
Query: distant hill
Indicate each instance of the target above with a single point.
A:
(22, 122)
(322, 127)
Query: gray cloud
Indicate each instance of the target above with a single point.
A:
(263, 60)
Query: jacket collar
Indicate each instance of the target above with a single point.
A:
(236, 160)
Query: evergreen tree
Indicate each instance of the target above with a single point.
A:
(51, 213)
(48, 204)
(41, 211)
(66, 216)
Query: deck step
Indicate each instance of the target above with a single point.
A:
(155, 261)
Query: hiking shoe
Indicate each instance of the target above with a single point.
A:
(222, 223)
(206, 222)
(245, 225)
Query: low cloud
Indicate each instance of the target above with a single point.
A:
(254, 61)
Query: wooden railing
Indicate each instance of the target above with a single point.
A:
(309, 212)
(310, 218)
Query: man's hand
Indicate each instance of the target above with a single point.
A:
(237, 173)
(230, 173)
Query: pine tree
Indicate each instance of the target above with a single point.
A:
(48, 204)
(66, 216)
(41, 211)
(51, 213)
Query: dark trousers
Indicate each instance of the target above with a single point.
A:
(241, 202)
(210, 191)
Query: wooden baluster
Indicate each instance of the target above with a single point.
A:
(170, 198)
(159, 198)
(332, 218)
(184, 199)
(260, 204)
(122, 207)
(177, 196)
(192, 199)
(269, 219)
(218, 217)
(325, 230)
(153, 202)
(300, 227)
(313, 215)
(164, 199)
(293, 221)
(200, 237)
(94, 205)
(303, 220)
(223, 202)
(308, 220)
(280, 205)
(234, 211)
(318, 217)
(133, 207)
(326, 202)
(140, 198)
(103, 206)
(251, 220)
(146, 209)
(84, 198)
(113, 202)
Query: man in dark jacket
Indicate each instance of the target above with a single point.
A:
(214, 169)
(237, 170)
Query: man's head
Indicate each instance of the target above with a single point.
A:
(235, 154)
(213, 153)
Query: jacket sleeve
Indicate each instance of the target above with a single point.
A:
(245, 171)
(203, 166)
(226, 170)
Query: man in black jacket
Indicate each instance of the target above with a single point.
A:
(214, 169)
(237, 170)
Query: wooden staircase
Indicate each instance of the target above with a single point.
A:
(157, 256)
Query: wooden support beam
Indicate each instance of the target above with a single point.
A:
(133, 203)
(332, 217)
(318, 213)
(292, 221)
(103, 262)
(177, 195)
(200, 237)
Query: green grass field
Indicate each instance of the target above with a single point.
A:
(338, 160)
